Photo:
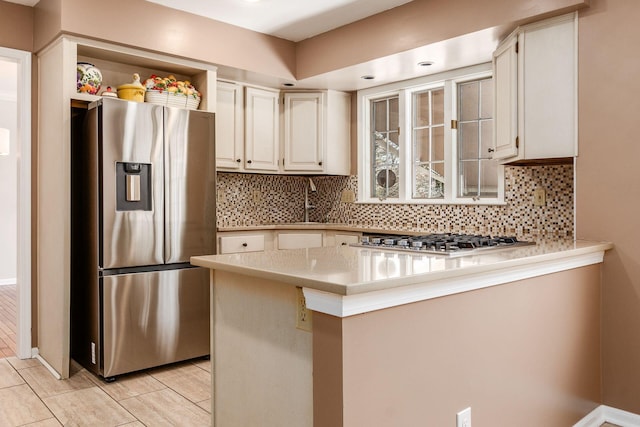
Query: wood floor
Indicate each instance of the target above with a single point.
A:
(8, 316)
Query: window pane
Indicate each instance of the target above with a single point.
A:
(385, 149)
(428, 144)
(429, 181)
(421, 109)
(477, 173)
(486, 105)
(437, 101)
(380, 115)
(437, 143)
(468, 99)
(488, 178)
(486, 138)
(469, 179)
(468, 137)
(421, 141)
(393, 114)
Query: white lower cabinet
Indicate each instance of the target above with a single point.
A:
(230, 242)
(299, 240)
(238, 242)
(341, 238)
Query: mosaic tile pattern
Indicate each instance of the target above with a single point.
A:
(252, 199)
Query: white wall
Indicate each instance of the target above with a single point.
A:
(8, 173)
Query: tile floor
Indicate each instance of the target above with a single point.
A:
(8, 316)
(174, 395)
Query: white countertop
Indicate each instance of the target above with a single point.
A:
(346, 270)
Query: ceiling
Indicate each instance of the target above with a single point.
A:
(297, 20)
(293, 20)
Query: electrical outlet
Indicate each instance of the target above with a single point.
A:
(539, 197)
(303, 316)
(463, 418)
(257, 196)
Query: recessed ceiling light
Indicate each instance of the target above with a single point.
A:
(425, 63)
(368, 77)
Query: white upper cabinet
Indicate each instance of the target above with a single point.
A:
(316, 131)
(304, 131)
(262, 130)
(535, 74)
(316, 127)
(229, 126)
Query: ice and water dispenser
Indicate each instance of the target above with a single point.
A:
(133, 183)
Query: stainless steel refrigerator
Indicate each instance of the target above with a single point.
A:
(143, 202)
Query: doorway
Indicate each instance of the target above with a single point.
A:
(15, 194)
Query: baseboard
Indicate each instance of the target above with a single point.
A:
(606, 414)
(49, 367)
(11, 281)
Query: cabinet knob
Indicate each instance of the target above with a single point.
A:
(238, 160)
(245, 245)
(491, 150)
(248, 161)
(320, 163)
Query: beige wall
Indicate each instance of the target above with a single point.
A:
(608, 187)
(524, 353)
(156, 28)
(16, 26)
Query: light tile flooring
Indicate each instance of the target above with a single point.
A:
(174, 395)
(8, 318)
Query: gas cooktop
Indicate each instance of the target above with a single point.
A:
(447, 244)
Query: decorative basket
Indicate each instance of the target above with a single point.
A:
(170, 99)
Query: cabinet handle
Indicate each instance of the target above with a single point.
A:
(248, 161)
(491, 150)
(238, 160)
(245, 245)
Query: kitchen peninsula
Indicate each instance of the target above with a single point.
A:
(406, 339)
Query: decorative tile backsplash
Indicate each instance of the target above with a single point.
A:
(253, 199)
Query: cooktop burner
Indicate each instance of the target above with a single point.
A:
(442, 244)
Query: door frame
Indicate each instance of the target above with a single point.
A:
(23, 269)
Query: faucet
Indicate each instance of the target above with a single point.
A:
(308, 206)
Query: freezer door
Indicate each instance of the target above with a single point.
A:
(151, 319)
(132, 180)
(190, 182)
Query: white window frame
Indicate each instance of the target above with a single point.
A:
(404, 90)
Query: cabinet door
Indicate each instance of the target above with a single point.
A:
(505, 75)
(304, 127)
(262, 131)
(548, 85)
(229, 126)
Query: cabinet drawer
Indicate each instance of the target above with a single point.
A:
(297, 241)
(236, 244)
(346, 239)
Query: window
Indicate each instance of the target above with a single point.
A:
(428, 140)
(478, 175)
